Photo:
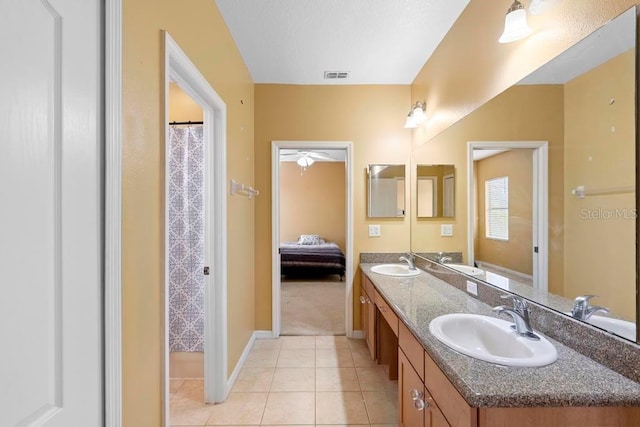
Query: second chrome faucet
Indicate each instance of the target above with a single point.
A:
(520, 315)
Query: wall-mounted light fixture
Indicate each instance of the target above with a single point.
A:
(416, 115)
(515, 24)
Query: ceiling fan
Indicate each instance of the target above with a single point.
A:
(306, 158)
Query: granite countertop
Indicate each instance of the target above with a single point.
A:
(572, 380)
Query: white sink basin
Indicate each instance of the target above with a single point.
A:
(492, 340)
(400, 270)
(466, 269)
(617, 326)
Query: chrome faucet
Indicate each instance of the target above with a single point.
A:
(441, 258)
(409, 258)
(520, 315)
(582, 310)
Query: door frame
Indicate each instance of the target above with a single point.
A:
(276, 146)
(179, 68)
(540, 217)
(113, 213)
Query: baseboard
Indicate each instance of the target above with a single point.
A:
(506, 270)
(261, 335)
(245, 353)
(357, 335)
(236, 371)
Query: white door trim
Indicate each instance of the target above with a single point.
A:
(276, 146)
(540, 218)
(179, 69)
(113, 214)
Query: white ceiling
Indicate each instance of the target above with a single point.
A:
(376, 41)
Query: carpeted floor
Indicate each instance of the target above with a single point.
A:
(312, 307)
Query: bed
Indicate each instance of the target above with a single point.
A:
(317, 258)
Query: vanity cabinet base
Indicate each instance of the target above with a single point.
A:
(561, 417)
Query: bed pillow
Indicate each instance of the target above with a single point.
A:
(309, 239)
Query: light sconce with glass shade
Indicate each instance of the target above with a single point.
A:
(515, 24)
(416, 115)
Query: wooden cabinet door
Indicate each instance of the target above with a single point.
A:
(432, 415)
(371, 331)
(368, 315)
(408, 383)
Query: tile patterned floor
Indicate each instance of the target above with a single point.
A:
(296, 381)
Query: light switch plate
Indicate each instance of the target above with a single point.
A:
(446, 230)
(374, 231)
(472, 288)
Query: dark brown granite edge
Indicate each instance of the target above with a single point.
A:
(619, 355)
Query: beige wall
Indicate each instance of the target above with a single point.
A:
(515, 253)
(470, 67)
(522, 113)
(182, 108)
(372, 118)
(600, 231)
(200, 31)
(313, 201)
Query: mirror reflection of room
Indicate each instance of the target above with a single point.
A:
(435, 191)
(503, 236)
(386, 191)
(582, 104)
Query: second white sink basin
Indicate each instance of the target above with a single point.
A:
(492, 340)
(399, 270)
(619, 327)
(466, 269)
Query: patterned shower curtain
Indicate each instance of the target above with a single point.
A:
(186, 239)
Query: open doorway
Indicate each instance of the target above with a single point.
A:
(312, 238)
(186, 236)
(312, 241)
(507, 196)
(195, 316)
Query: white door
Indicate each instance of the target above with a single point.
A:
(51, 196)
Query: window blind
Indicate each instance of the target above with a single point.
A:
(497, 208)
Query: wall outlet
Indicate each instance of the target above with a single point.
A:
(446, 230)
(374, 231)
(472, 288)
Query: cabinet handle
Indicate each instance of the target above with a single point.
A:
(416, 394)
(363, 300)
(420, 404)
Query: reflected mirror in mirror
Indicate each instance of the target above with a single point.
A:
(582, 106)
(435, 191)
(386, 191)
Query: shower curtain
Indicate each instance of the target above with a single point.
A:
(186, 239)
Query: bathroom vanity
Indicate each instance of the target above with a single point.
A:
(440, 387)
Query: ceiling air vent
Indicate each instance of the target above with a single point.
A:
(336, 74)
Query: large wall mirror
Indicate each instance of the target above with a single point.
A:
(576, 113)
(435, 191)
(386, 191)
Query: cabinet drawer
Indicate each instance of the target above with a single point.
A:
(386, 311)
(455, 409)
(412, 348)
